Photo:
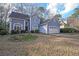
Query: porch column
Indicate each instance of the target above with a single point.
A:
(24, 24)
(30, 23)
(10, 27)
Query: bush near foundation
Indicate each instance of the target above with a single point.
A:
(68, 30)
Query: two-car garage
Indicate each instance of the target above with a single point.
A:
(50, 27)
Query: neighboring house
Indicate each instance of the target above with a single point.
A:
(73, 22)
(50, 26)
(19, 21)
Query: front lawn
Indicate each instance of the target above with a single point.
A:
(27, 37)
(40, 45)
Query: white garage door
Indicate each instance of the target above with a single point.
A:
(53, 30)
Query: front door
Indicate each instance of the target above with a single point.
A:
(27, 26)
(17, 27)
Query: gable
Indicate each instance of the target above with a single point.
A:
(19, 15)
(53, 22)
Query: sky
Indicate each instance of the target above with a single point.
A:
(70, 5)
(65, 9)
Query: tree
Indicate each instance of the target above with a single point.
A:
(4, 10)
(56, 10)
(6, 13)
(60, 7)
(75, 14)
(59, 16)
(41, 13)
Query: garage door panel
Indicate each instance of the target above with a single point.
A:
(53, 30)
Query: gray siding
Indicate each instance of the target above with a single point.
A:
(35, 21)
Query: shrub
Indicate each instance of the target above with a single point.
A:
(68, 30)
(32, 31)
(1, 28)
(23, 31)
(3, 32)
(14, 32)
(35, 31)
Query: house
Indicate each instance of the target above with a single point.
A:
(18, 21)
(23, 22)
(50, 26)
(73, 23)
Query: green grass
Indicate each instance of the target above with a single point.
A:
(27, 37)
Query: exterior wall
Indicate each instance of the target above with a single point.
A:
(43, 29)
(35, 21)
(53, 27)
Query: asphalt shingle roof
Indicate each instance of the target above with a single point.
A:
(19, 15)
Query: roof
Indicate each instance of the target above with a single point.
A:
(48, 20)
(18, 15)
(45, 22)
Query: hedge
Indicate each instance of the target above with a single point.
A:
(68, 30)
